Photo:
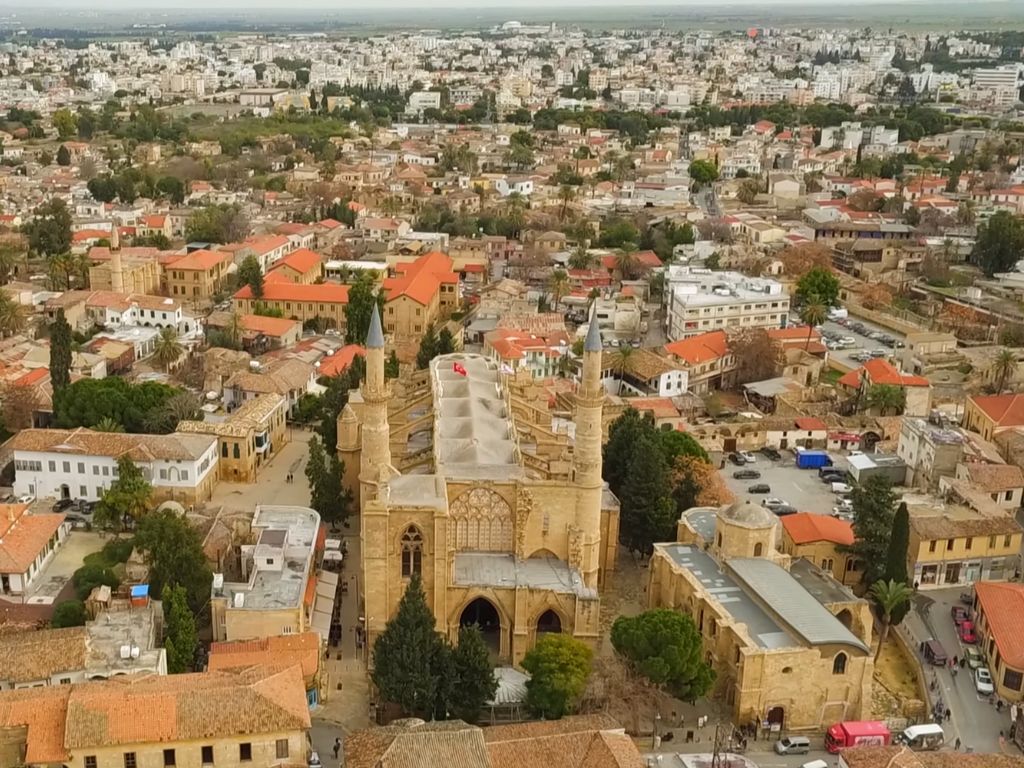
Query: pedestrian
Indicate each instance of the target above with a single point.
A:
(956, 661)
(337, 747)
(956, 744)
(963, 662)
(949, 714)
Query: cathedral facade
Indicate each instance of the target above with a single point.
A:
(508, 526)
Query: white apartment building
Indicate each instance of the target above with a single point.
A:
(81, 464)
(1003, 84)
(421, 100)
(700, 300)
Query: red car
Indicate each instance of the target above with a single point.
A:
(960, 614)
(966, 631)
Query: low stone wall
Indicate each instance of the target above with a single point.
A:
(884, 319)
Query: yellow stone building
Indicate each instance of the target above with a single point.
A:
(516, 540)
(790, 645)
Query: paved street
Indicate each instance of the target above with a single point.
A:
(975, 719)
(270, 486)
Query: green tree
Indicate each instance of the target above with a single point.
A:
(250, 273)
(70, 613)
(127, 498)
(1003, 368)
(172, 188)
(428, 348)
(49, 230)
(102, 188)
(874, 505)
(474, 672)
(108, 424)
(335, 397)
(181, 640)
(896, 559)
(362, 295)
(217, 224)
(999, 244)
(648, 512)
(66, 123)
(391, 366)
(819, 283)
(328, 496)
(558, 286)
(748, 191)
(624, 433)
(812, 313)
(60, 352)
(703, 171)
(887, 398)
(664, 646)
(559, 666)
(174, 552)
(167, 349)
(675, 444)
(890, 597)
(93, 575)
(63, 156)
(13, 316)
(404, 655)
(445, 342)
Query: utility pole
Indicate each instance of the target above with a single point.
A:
(718, 759)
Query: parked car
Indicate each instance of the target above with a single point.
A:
(314, 760)
(841, 488)
(783, 510)
(771, 503)
(79, 521)
(63, 504)
(983, 682)
(746, 474)
(737, 459)
(771, 453)
(959, 614)
(833, 475)
(861, 357)
(845, 505)
(974, 657)
(879, 352)
(967, 598)
(748, 457)
(26, 499)
(966, 632)
(759, 488)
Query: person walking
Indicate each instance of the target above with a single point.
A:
(949, 714)
(337, 747)
(956, 744)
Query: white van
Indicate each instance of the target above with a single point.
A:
(815, 764)
(926, 736)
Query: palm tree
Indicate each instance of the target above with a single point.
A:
(61, 267)
(558, 285)
(626, 262)
(887, 397)
(889, 596)
(515, 212)
(12, 316)
(108, 424)
(1003, 368)
(12, 255)
(566, 194)
(167, 349)
(581, 258)
(813, 313)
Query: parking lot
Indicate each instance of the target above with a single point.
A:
(862, 343)
(800, 488)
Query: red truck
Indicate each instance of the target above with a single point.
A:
(857, 733)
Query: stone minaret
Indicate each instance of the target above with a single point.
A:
(586, 457)
(116, 268)
(375, 456)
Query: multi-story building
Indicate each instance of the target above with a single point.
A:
(421, 293)
(265, 595)
(988, 414)
(290, 378)
(699, 300)
(917, 389)
(253, 718)
(953, 545)
(247, 438)
(997, 611)
(302, 266)
(81, 464)
(198, 276)
(515, 350)
(706, 359)
(930, 451)
(325, 302)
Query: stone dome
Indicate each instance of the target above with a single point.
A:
(748, 515)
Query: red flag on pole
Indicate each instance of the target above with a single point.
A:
(457, 367)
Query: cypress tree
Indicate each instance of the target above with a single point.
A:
(474, 673)
(896, 557)
(60, 352)
(180, 636)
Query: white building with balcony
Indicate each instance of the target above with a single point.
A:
(700, 300)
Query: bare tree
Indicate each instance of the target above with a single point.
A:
(615, 688)
(19, 404)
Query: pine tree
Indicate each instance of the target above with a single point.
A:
(60, 352)
(180, 636)
(428, 348)
(63, 156)
(896, 559)
(475, 674)
(404, 655)
(392, 367)
(648, 510)
(445, 342)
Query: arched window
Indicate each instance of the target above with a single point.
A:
(758, 549)
(839, 664)
(412, 552)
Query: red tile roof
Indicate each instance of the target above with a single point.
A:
(268, 326)
(1003, 606)
(793, 332)
(340, 360)
(327, 293)
(1004, 410)
(699, 349)
(201, 260)
(23, 536)
(882, 372)
(807, 527)
(811, 424)
(421, 279)
(302, 261)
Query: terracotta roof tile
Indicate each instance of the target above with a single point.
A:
(324, 293)
(700, 349)
(1003, 606)
(902, 757)
(44, 712)
(24, 536)
(1004, 410)
(421, 279)
(201, 260)
(806, 527)
(995, 477)
(26, 657)
(288, 650)
(302, 261)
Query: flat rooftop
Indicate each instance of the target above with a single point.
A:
(474, 435)
(502, 571)
(113, 629)
(822, 587)
(703, 520)
(283, 584)
(762, 628)
(417, 491)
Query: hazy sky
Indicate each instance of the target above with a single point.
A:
(480, 5)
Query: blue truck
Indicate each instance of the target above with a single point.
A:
(813, 459)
